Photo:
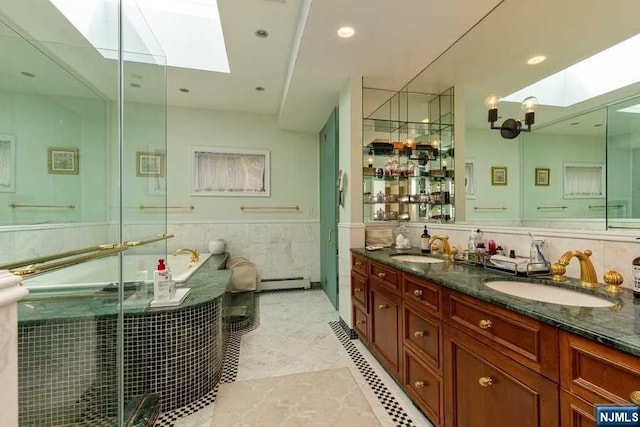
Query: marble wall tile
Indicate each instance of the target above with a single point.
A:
(278, 250)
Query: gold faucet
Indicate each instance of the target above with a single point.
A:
(195, 256)
(446, 249)
(588, 277)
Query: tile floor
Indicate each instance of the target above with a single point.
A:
(298, 332)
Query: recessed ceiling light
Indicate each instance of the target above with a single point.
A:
(426, 120)
(262, 33)
(536, 59)
(346, 32)
(136, 85)
(27, 74)
(184, 90)
(259, 88)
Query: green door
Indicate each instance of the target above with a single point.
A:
(329, 208)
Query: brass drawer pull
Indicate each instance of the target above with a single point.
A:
(418, 334)
(357, 264)
(357, 290)
(417, 292)
(635, 397)
(485, 381)
(485, 324)
(419, 384)
(360, 322)
(381, 275)
(383, 306)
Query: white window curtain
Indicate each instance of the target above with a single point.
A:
(5, 164)
(470, 179)
(583, 181)
(229, 172)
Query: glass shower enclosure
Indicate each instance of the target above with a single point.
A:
(82, 204)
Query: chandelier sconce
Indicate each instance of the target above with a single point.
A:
(511, 128)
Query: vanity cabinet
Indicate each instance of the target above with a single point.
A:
(360, 296)
(466, 362)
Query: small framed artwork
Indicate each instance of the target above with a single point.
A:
(498, 175)
(149, 164)
(542, 176)
(63, 161)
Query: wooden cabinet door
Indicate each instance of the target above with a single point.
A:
(360, 324)
(384, 333)
(359, 288)
(486, 389)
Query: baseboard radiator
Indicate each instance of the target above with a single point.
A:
(285, 283)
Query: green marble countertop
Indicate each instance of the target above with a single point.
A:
(207, 284)
(617, 326)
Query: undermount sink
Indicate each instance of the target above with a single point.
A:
(547, 293)
(416, 258)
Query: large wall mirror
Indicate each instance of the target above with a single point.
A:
(576, 166)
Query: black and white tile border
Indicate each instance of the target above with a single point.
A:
(350, 332)
(228, 374)
(391, 405)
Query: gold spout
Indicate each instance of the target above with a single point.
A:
(446, 249)
(195, 257)
(588, 277)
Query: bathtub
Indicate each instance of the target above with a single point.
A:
(104, 272)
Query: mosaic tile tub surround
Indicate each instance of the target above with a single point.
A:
(68, 367)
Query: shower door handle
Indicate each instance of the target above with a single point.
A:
(330, 235)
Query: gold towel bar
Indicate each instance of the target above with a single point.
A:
(490, 208)
(190, 207)
(604, 206)
(43, 264)
(270, 208)
(552, 207)
(16, 205)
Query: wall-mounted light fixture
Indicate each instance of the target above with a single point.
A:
(511, 128)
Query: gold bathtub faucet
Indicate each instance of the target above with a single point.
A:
(446, 249)
(588, 277)
(194, 255)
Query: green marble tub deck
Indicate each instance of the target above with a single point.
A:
(207, 284)
(617, 326)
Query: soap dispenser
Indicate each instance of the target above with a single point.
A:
(163, 286)
(425, 246)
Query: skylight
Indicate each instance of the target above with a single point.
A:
(611, 69)
(632, 109)
(182, 33)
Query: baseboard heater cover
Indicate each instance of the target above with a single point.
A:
(285, 283)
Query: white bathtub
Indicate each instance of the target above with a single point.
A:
(98, 273)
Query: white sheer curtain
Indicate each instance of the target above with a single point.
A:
(5, 164)
(229, 172)
(583, 181)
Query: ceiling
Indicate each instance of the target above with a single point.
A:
(478, 46)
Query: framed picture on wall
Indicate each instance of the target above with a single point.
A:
(498, 175)
(149, 164)
(542, 176)
(63, 161)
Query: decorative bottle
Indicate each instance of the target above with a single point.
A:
(636, 277)
(425, 247)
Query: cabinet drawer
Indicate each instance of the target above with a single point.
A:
(595, 372)
(359, 264)
(575, 412)
(384, 335)
(422, 334)
(526, 340)
(427, 294)
(359, 291)
(424, 386)
(384, 275)
(360, 324)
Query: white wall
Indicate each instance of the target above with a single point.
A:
(282, 243)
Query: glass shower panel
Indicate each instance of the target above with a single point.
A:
(623, 161)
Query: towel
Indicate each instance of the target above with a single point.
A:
(512, 264)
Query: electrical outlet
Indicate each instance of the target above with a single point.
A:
(310, 211)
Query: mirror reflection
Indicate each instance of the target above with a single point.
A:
(537, 178)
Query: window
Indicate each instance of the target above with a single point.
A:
(230, 172)
(583, 180)
(7, 163)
